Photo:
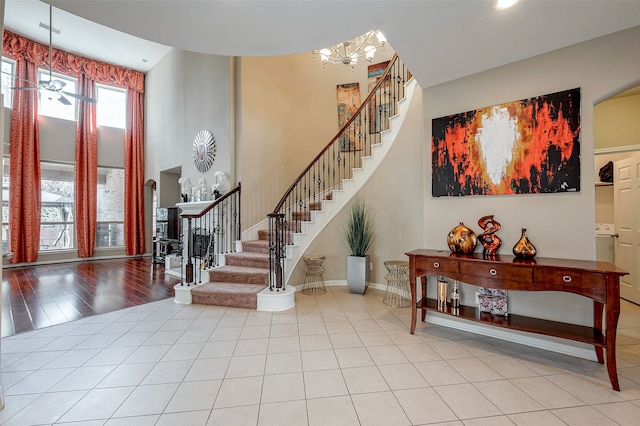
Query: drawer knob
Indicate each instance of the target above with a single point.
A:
(493, 272)
(436, 264)
(566, 278)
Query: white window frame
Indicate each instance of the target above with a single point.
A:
(10, 79)
(109, 223)
(102, 104)
(72, 235)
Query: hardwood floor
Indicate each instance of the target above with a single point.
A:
(34, 297)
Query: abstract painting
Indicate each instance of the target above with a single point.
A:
(380, 104)
(348, 103)
(529, 146)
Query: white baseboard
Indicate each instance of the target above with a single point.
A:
(563, 346)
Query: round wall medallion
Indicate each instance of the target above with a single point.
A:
(204, 150)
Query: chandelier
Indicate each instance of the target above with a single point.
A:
(351, 52)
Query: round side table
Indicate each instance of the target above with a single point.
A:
(397, 284)
(313, 281)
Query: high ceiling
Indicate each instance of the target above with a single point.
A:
(438, 40)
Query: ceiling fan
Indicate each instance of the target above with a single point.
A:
(51, 88)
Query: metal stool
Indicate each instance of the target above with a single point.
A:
(313, 281)
(397, 284)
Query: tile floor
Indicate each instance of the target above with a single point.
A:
(336, 359)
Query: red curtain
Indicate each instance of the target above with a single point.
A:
(86, 177)
(134, 175)
(24, 172)
(37, 55)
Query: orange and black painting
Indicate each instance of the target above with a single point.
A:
(529, 146)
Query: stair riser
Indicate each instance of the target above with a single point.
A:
(304, 216)
(237, 301)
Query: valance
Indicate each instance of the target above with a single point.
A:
(15, 46)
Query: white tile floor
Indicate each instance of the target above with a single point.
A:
(336, 359)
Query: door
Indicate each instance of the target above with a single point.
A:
(626, 197)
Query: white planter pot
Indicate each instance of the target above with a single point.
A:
(357, 274)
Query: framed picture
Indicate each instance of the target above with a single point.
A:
(348, 103)
(379, 107)
(529, 146)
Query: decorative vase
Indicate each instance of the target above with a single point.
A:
(488, 239)
(524, 248)
(357, 274)
(462, 239)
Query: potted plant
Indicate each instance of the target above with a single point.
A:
(358, 236)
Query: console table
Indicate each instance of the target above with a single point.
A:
(599, 281)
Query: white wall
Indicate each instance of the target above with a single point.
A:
(560, 225)
(164, 117)
(185, 93)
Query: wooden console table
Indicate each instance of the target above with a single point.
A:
(599, 281)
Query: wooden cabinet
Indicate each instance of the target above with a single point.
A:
(599, 281)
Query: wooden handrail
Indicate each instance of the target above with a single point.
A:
(211, 206)
(346, 126)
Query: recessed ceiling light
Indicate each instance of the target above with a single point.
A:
(505, 4)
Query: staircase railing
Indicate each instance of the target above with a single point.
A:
(335, 163)
(210, 234)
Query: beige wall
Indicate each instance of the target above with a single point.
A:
(616, 123)
(288, 114)
(616, 128)
(394, 195)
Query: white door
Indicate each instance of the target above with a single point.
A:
(626, 201)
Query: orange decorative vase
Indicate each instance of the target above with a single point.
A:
(524, 248)
(462, 239)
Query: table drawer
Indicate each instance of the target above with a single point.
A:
(497, 272)
(568, 277)
(437, 266)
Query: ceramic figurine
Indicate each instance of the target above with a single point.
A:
(488, 239)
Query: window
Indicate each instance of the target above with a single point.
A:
(112, 106)
(5, 205)
(57, 213)
(7, 82)
(50, 104)
(110, 226)
(57, 220)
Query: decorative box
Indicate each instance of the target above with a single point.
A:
(493, 301)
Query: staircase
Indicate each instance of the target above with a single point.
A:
(256, 275)
(239, 281)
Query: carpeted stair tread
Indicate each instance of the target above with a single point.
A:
(227, 294)
(246, 258)
(263, 235)
(301, 215)
(256, 246)
(239, 275)
(316, 206)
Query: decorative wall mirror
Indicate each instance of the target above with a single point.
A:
(204, 150)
